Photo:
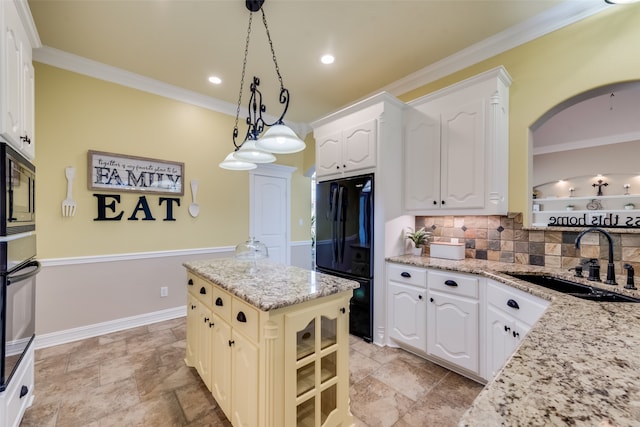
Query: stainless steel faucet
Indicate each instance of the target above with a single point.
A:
(611, 275)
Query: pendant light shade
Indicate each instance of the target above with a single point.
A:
(280, 139)
(248, 152)
(233, 164)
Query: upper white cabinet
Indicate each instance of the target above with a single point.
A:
(352, 149)
(456, 148)
(16, 81)
(348, 141)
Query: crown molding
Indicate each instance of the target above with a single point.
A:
(558, 17)
(81, 65)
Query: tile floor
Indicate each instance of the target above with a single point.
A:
(138, 377)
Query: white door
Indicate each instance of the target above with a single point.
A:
(270, 209)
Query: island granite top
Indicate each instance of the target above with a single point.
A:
(273, 285)
(579, 365)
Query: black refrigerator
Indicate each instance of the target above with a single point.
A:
(344, 242)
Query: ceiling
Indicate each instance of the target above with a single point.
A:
(183, 42)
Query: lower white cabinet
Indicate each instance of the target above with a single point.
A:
(407, 298)
(18, 395)
(510, 315)
(453, 319)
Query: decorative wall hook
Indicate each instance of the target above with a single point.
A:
(68, 204)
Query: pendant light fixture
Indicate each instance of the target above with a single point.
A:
(279, 138)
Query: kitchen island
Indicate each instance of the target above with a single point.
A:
(270, 341)
(579, 365)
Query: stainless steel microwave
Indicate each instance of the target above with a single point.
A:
(17, 195)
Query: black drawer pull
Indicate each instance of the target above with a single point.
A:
(190, 282)
(203, 291)
(451, 283)
(219, 302)
(241, 317)
(405, 274)
(24, 390)
(513, 304)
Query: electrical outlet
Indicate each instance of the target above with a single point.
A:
(164, 291)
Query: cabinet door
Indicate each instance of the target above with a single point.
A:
(28, 126)
(244, 380)
(421, 162)
(463, 157)
(11, 98)
(203, 364)
(500, 341)
(192, 330)
(359, 146)
(329, 155)
(453, 329)
(408, 315)
(221, 364)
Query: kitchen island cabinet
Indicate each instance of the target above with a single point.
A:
(271, 345)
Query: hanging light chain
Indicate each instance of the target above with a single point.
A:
(273, 52)
(244, 67)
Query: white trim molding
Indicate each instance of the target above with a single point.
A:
(75, 334)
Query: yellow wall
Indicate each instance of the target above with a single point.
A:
(597, 51)
(76, 113)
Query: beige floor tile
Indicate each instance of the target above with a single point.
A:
(137, 378)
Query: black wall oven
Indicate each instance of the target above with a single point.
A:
(18, 266)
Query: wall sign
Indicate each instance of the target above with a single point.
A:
(600, 219)
(108, 171)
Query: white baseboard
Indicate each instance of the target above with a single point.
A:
(75, 334)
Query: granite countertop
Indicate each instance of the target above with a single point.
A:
(273, 285)
(579, 365)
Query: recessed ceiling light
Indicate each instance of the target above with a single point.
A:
(215, 80)
(327, 59)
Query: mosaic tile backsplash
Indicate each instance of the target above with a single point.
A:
(503, 238)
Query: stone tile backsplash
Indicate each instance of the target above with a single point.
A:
(503, 238)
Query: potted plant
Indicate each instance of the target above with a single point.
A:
(419, 238)
(570, 207)
(629, 206)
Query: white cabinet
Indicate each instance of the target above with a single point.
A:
(510, 315)
(453, 319)
(16, 82)
(348, 150)
(456, 148)
(18, 395)
(407, 305)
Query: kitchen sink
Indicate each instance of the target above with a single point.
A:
(577, 290)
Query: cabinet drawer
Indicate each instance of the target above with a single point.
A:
(452, 283)
(505, 298)
(245, 318)
(200, 289)
(408, 275)
(221, 303)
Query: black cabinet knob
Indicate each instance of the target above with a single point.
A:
(451, 283)
(343, 310)
(241, 317)
(211, 324)
(443, 202)
(193, 307)
(219, 302)
(431, 299)
(24, 390)
(506, 328)
(419, 296)
(435, 203)
(513, 304)
(231, 342)
(206, 320)
(516, 334)
(203, 291)
(190, 282)
(405, 274)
